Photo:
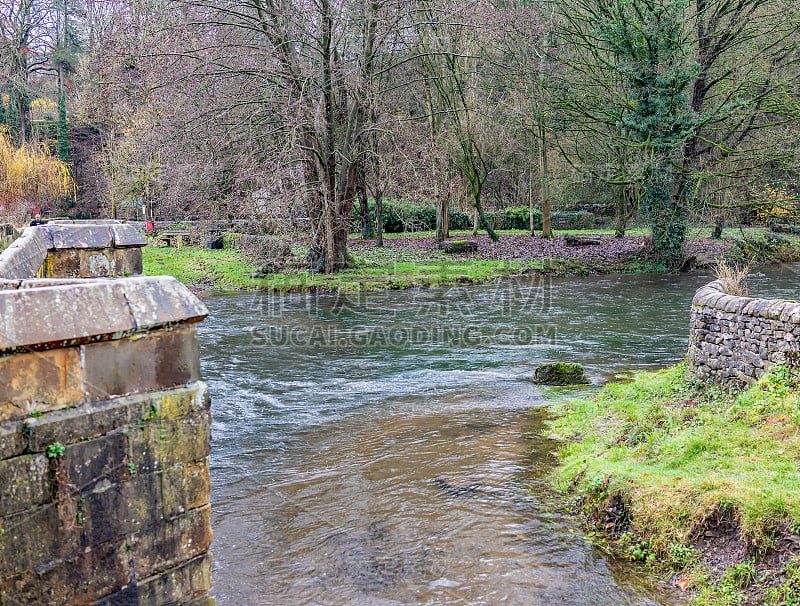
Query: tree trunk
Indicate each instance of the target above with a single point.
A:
(544, 183)
(621, 214)
(367, 230)
(531, 205)
(666, 210)
(476, 219)
(442, 219)
(379, 218)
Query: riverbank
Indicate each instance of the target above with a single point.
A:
(414, 260)
(699, 484)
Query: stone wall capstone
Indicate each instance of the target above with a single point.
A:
(734, 339)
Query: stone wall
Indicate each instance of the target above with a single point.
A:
(67, 250)
(733, 340)
(104, 438)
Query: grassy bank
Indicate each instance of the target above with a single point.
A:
(699, 484)
(414, 260)
(223, 270)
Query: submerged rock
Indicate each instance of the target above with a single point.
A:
(560, 373)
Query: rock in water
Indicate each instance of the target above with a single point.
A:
(560, 373)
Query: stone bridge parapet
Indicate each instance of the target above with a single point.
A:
(104, 426)
(74, 250)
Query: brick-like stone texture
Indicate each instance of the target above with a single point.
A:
(40, 381)
(123, 516)
(165, 358)
(733, 340)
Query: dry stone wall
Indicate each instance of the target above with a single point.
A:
(104, 434)
(733, 340)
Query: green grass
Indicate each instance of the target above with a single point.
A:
(378, 269)
(675, 454)
(375, 268)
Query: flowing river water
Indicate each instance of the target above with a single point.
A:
(389, 448)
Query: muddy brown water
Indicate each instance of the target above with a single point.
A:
(388, 449)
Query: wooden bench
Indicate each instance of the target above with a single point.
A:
(172, 236)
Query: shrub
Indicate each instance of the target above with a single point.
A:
(259, 249)
(400, 217)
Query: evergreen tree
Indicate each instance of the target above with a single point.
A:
(646, 40)
(64, 151)
(12, 119)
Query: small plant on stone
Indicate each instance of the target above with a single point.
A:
(733, 277)
(67, 511)
(55, 450)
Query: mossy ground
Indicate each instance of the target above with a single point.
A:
(375, 269)
(699, 484)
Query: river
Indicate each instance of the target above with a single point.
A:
(389, 448)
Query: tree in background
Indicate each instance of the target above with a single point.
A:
(689, 88)
(31, 177)
(452, 53)
(638, 56)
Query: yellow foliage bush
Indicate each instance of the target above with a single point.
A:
(29, 176)
(775, 202)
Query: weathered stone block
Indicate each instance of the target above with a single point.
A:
(187, 584)
(185, 487)
(96, 263)
(12, 440)
(47, 317)
(160, 444)
(133, 261)
(62, 264)
(88, 576)
(183, 583)
(40, 381)
(91, 462)
(171, 542)
(36, 538)
(80, 236)
(25, 483)
(91, 420)
(162, 300)
(126, 236)
(23, 258)
(154, 361)
(114, 511)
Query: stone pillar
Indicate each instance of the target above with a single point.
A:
(104, 444)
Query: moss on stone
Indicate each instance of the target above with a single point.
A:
(560, 373)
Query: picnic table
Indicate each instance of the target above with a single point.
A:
(173, 236)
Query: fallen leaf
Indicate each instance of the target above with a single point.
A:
(682, 585)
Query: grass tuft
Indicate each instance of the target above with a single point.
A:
(733, 277)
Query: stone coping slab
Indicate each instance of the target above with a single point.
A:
(713, 296)
(44, 314)
(23, 258)
(92, 235)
